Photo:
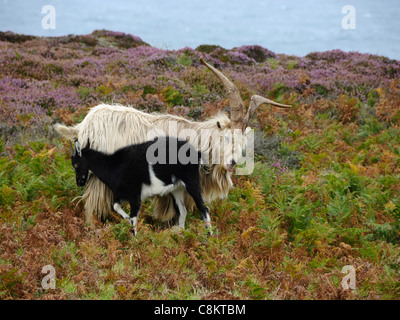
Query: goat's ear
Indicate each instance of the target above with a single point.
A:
(78, 148)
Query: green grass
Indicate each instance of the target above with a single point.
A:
(280, 234)
(272, 223)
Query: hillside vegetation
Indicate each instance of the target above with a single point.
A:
(324, 193)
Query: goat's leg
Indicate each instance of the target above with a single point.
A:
(133, 222)
(195, 191)
(179, 205)
(176, 208)
(120, 211)
(135, 209)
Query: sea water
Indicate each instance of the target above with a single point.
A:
(286, 26)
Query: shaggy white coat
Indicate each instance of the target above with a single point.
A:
(111, 127)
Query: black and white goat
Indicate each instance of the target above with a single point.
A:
(161, 166)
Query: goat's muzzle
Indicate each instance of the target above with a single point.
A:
(80, 182)
(231, 165)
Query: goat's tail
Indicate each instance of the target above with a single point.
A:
(70, 133)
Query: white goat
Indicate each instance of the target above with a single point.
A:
(111, 127)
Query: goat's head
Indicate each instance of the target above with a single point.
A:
(234, 135)
(231, 151)
(79, 164)
(219, 143)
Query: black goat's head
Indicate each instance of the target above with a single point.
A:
(79, 164)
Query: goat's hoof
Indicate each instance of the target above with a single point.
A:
(209, 230)
(133, 232)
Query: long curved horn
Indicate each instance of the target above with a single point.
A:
(237, 106)
(257, 101)
(239, 120)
